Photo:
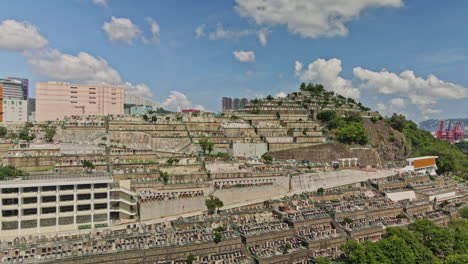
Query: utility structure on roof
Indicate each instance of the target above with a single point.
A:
(450, 135)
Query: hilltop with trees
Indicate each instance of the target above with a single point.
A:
(344, 120)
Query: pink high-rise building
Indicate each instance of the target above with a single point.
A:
(56, 100)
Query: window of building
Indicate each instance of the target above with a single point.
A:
(84, 207)
(100, 206)
(84, 196)
(73, 96)
(7, 213)
(92, 98)
(92, 93)
(73, 92)
(65, 198)
(92, 88)
(100, 195)
(74, 87)
(30, 200)
(49, 210)
(66, 187)
(10, 190)
(68, 208)
(100, 185)
(30, 189)
(84, 186)
(92, 102)
(49, 199)
(49, 188)
(30, 211)
(73, 102)
(10, 201)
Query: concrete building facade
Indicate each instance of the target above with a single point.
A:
(56, 100)
(15, 110)
(54, 203)
(12, 89)
(25, 84)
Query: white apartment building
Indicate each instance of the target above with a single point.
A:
(55, 203)
(15, 110)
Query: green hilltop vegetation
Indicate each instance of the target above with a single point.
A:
(421, 143)
(423, 243)
(343, 120)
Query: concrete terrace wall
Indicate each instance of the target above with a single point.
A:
(152, 210)
(138, 140)
(240, 195)
(169, 144)
(325, 153)
(80, 135)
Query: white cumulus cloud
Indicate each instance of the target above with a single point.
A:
(262, 36)
(281, 95)
(221, 33)
(395, 105)
(309, 18)
(121, 29)
(20, 36)
(200, 31)
(327, 72)
(101, 3)
(81, 68)
(244, 56)
(422, 92)
(178, 101)
(155, 32)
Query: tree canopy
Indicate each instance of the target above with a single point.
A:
(206, 145)
(212, 203)
(426, 243)
(10, 172)
(422, 143)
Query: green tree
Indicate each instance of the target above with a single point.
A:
(88, 165)
(24, 133)
(145, 117)
(269, 98)
(457, 259)
(326, 116)
(10, 172)
(217, 237)
(154, 119)
(164, 176)
(353, 117)
(212, 203)
(464, 212)
(3, 131)
(397, 122)
(303, 87)
(191, 259)
(206, 145)
(267, 158)
(321, 260)
(50, 132)
(278, 115)
(352, 133)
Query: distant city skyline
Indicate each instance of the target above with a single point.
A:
(389, 54)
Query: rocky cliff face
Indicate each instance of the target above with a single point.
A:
(388, 142)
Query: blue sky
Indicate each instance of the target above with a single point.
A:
(357, 49)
